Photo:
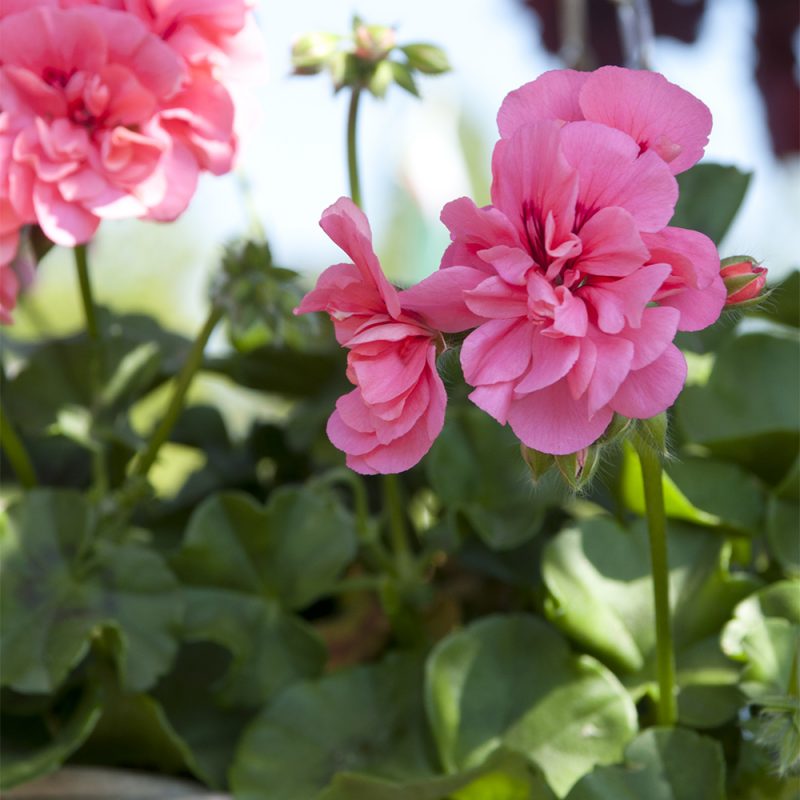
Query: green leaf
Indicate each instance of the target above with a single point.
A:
(368, 719)
(764, 634)
(783, 305)
(598, 578)
(748, 411)
(783, 521)
(710, 196)
(660, 764)
(403, 77)
(503, 776)
(58, 591)
(427, 58)
(244, 566)
(676, 504)
(512, 681)
(476, 469)
(32, 746)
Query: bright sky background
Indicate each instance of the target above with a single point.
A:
(293, 156)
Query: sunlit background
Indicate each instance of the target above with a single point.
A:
(416, 155)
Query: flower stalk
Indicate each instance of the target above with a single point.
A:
(87, 297)
(667, 709)
(352, 143)
(147, 458)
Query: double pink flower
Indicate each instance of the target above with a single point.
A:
(389, 421)
(571, 280)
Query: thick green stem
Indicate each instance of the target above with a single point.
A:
(398, 532)
(160, 435)
(667, 711)
(82, 267)
(15, 452)
(352, 155)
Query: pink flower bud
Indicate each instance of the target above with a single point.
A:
(743, 279)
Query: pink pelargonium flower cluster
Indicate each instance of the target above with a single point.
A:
(111, 109)
(572, 283)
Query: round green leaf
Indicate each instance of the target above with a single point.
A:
(512, 681)
(600, 593)
(660, 764)
(368, 719)
(55, 596)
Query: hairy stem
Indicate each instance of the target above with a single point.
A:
(160, 435)
(398, 531)
(667, 711)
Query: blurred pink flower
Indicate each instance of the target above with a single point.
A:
(389, 421)
(9, 286)
(659, 115)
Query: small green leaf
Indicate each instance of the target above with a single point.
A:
(427, 58)
(710, 196)
(783, 521)
(368, 719)
(600, 593)
(512, 681)
(403, 77)
(660, 764)
(57, 592)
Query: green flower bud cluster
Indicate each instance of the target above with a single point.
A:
(368, 58)
(259, 298)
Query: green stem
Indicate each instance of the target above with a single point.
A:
(82, 266)
(160, 435)
(15, 451)
(397, 527)
(352, 155)
(667, 712)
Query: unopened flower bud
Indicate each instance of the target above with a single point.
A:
(426, 58)
(743, 279)
(382, 77)
(538, 463)
(373, 42)
(617, 429)
(311, 51)
(578, 468)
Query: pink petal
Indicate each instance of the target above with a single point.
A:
(439, 299)
(500, 350)
(348, 439)
(511, 263)
(531, 177)
(551, 360)
(658, 329)
(611, 244)
(473, 229)
(553, 95)
(624, 299)
(691, 254)
(391, 373)
(495, 400)
(495, 299)
(658, 114)
(654, 388)
(698, 308)
(64, 223)
(613, 174)
(613, 364)
(347, 226)
(552, 421)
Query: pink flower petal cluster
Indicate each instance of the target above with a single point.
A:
(572, 283)
(111, 109)
(389, 421)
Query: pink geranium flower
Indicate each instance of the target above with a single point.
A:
(659, 115)
(574, 282)
(389, 421)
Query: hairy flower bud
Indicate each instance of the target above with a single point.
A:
(373, 42)
(426, 58)
(744, 279)
(578, 469)
(538, 463)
